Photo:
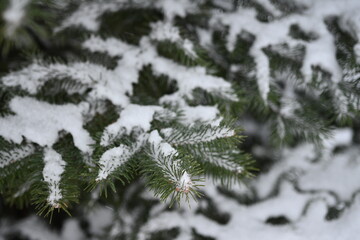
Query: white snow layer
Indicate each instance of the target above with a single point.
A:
(104, 82)
(112, 159)
(14, 15)
(195, 137)
(162, 31)
(53, 169)
(160, 146)
(172, 8)
(133, 116)
(40, 122)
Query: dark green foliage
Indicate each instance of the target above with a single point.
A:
(129, 24)
(150, 87)
(57, 90)
(297, 33)
(159, 179)
(35, 27)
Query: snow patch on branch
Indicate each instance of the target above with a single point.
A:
(194, 136)
(185, 183)
(173, 8)
(40, 123)
(160, 146)
(164, 154)
(162, 31)
(205, 114)
(14, 155)
(133, 116)
(105, 83)
(53, 169)
(111, 46)
(112, 159)
(165, 31)
(224, 160)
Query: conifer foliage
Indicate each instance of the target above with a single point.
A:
(101, 93)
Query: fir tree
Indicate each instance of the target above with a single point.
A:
(100, 100)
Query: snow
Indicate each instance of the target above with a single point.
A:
(99, 218)
(40, 122)
(165, 31)
(185, 183)
(160, 146)
(224, 160)
(71, 230)
(14, 155)
(14, 15)
(162, 31)
(269, 7)
(104, 82)
(113, 159)
(172, 8)
(32, 227)
(133, 116)
(53, 169)
(111, 46)
(288, 99)
(177, 138)
(206, 114)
